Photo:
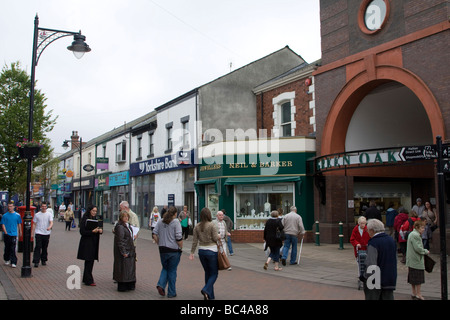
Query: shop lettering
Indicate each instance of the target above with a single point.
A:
(211, 167)
(364, 158)
(268, 164)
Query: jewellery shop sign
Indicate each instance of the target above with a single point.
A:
(363, 158)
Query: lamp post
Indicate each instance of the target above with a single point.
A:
(65, 145)
(41, 40)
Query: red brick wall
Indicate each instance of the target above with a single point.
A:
(257, 236)
(302, 114)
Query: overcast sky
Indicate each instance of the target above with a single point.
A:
(146, 52)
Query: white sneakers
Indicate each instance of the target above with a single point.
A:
(9, 262)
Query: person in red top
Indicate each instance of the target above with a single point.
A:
(360, 237)
(406, 227)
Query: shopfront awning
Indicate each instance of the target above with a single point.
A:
(260, 180)
(205, 182)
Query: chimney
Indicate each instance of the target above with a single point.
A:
(75, 143)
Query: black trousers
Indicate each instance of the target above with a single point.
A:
(40, 249)
(10, 249)
(88, 279)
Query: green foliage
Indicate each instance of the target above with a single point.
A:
(14, 117)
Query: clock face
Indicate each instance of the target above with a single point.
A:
(375, 14)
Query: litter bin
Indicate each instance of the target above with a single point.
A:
(22, 210)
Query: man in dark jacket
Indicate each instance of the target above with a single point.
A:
(381, 274)
(372, 212)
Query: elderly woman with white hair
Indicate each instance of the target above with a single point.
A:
(360, 237)
(381, 262)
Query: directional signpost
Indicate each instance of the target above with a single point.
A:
(419, 153)
(440, 152)
(442, 223)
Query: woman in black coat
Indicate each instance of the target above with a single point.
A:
(272, 236)
(124, 271)
(89, 243)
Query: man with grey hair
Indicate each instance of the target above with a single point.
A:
(133, 220)
(380, 277)
(293, 226)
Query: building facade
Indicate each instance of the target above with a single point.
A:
(382, 86)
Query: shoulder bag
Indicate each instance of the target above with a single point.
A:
(222, 259)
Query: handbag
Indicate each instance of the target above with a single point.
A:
(280, 235)
(429, 264)
(222, 259)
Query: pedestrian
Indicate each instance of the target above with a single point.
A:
(293, 227)
(90, 230)
(272, 232)
(42, 228)
(205, 236)
(360, 237)
(398, 221)
(154, 217)
(415, 253)
(430, 217)
(124, 269)
(418, 207)
(223, 231)
(68, 218)
(391, 213)
(229, 225)
(372, 212)
(169, 237)
(405, 230)
(380, 278)
(133, 220)
(184, 220)
(12, 227)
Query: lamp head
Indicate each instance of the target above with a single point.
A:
(79, 47)
(65, 145)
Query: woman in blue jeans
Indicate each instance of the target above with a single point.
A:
(168, 235)
(206, 236)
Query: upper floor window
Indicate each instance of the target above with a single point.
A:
(151, 144)
(121, 151)
(169, 137)
(284, 115)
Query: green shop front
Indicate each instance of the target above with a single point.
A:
(249, 187)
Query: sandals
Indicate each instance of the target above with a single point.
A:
(266, 266)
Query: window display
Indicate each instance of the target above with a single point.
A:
(255, 202)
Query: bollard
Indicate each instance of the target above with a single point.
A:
(341, 235)
(317, 234)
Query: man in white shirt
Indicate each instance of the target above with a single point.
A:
(42, 227)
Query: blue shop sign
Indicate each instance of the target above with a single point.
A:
(180, 160)
(119, 179)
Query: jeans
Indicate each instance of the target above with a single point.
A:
(290, 240)
(168, 276)
(208, 259)
(230, 247)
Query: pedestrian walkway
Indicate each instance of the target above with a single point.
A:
(324, 273)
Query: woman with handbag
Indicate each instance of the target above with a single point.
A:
(206, 236)
(273, 235)
(415, 253)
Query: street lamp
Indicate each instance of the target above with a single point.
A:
(65, 145)
(41, 40)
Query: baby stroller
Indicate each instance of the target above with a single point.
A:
(361, 256)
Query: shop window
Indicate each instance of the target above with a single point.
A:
(254, 203)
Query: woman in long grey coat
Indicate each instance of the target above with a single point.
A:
(124, 271)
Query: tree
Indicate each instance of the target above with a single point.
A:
(14, 115)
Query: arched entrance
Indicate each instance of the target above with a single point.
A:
(341, 113)
(362, 116)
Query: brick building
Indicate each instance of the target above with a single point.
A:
(383, 85)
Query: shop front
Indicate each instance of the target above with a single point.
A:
(249, 186)
(119, 191)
